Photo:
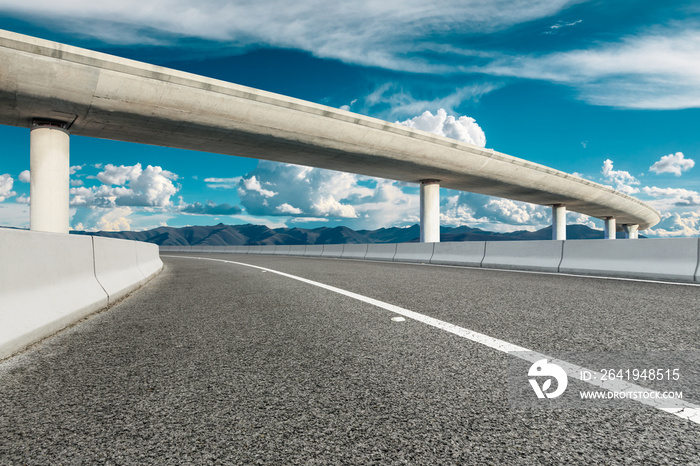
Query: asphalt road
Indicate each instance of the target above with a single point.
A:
(218, 363)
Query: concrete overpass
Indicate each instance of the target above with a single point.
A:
(58, 90)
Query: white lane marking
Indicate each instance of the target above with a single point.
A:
(398, 319)
(677, 407)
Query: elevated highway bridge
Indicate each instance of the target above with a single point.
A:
(58, 90)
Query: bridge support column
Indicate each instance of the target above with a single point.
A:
(429, 211)
(631, 231)
(50, 178)
(610, 227)
(558, 222)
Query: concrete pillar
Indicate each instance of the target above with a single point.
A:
(631, 231)
(558, 222)
(50, 178)
(610, 227)
(429, 211)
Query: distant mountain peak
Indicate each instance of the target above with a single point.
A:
(250, 234)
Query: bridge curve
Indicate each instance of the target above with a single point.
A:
(99, 95)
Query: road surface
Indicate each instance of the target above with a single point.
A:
(217, 362)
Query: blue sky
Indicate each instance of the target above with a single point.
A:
(606, 90)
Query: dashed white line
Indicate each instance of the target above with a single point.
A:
(676, 407)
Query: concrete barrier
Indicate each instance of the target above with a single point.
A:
(50, 280)
(523, 255)
(254, 249)
(243, 249)
(207, 248)
(297, 250)
(332, 250)
(314, 250)
(665, 259)
(268, 249)
(282, 250)
(414, 252)
(381, 252)
(117, 267)
(230, 249)
(468, 253)
(354, 251)
(148, 259)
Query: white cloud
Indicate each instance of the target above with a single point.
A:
(390, 101)
(115, 220)
(6, 183)
(553, 29)
(462, 129)
(677, 224)
(653, 70)
(308, 219)
(673, 163)
(149, 187)
(253, 184)
(479, 210)
(363, 202)
(222, 183)
(574, 218)
(24, 177)
(119, 175)
(22, 199)
(75, 168)
(329, 206)
(367, 32)
(288, 209)
(672, 198)
(622, 180)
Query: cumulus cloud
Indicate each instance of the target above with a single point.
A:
(6, 183)
(128, 186)
(479, 210)
(621, 180)
(25, 176)
(362, 202)
(677, 224)
(462, 129)
(289, 209)
(673, 163)
(252, 184)
(22, 199)
(115, 220)
(211, 208)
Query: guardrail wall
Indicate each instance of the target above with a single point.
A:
(675, 259)
(51, 280)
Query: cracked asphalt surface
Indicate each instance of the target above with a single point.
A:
(217, 363)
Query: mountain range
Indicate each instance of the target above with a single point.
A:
(222, 235)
